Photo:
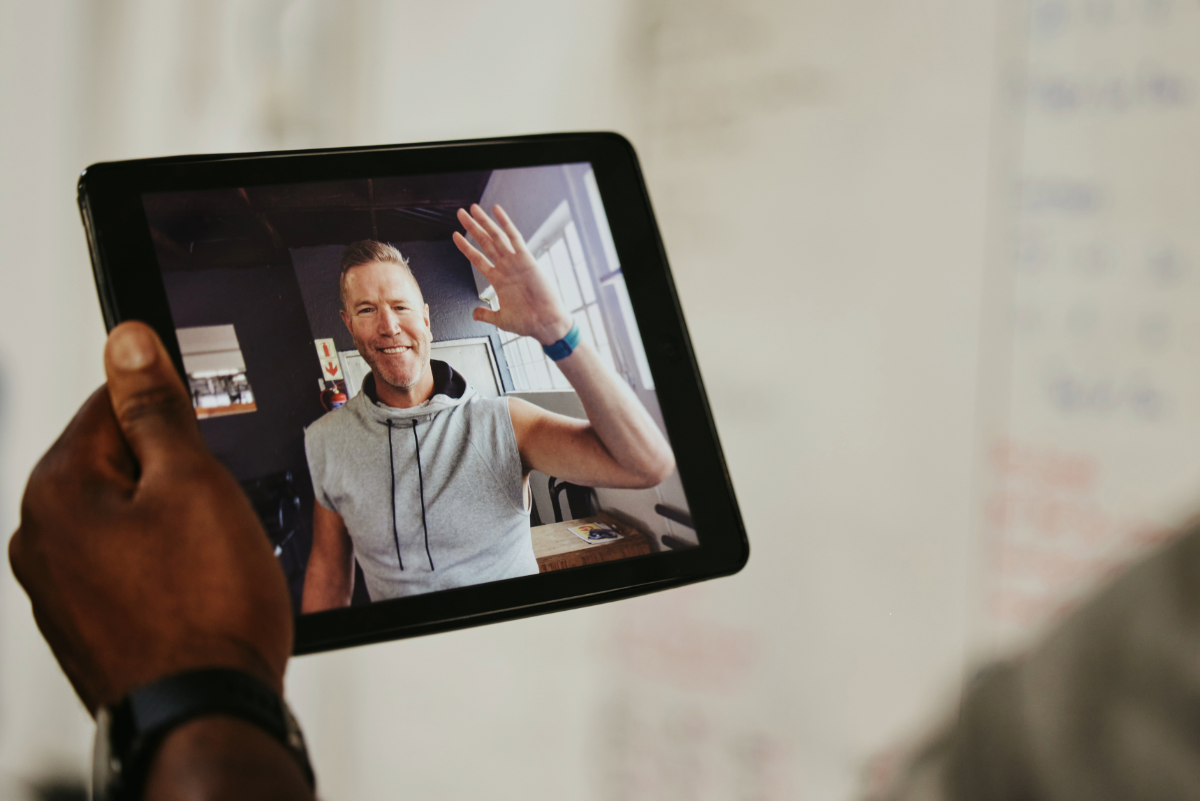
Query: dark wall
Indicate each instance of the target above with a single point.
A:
(446, 283)
(316, 270)
(264, 306)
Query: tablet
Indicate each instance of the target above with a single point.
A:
(453, 379)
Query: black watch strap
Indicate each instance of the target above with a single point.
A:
(138, 724)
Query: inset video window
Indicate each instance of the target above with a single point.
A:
(216, 371)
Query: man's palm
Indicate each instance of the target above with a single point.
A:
(528, 303)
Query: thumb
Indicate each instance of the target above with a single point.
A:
(484, 315)
(152, 408)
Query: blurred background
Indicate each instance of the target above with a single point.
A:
(939, 264)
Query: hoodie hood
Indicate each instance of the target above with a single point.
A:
(450, 389)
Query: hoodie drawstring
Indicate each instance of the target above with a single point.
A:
(421, 479)
(392, 463)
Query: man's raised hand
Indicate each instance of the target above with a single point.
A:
(528, 303)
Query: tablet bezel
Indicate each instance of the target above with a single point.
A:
(130, 287)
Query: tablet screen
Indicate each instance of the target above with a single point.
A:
(393, 440)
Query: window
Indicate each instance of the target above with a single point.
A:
(559, 253)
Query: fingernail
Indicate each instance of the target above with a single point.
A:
(131, 348)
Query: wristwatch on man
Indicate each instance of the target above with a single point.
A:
(129, 733)
(565, 346)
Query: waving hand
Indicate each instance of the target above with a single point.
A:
(528, 304)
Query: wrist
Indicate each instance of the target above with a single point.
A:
(553, 331)
(566, 346)
(224, 757)
(131, 733)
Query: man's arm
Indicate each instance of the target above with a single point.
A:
(329, 578)
(142, 558)
(618, 445)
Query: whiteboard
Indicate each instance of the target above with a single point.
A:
(1096, 453)
(355, 369)
(474, 360)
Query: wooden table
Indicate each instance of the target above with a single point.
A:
(556, 548)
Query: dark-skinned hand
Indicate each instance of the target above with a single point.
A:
(139, 552)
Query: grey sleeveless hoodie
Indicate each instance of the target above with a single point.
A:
(432, 496)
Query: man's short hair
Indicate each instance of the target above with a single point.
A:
(366, 251)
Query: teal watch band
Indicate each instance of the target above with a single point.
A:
(565, 346)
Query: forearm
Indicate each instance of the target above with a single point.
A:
(621, 423)
(224, 758)
(328, 582)
(638, 454)
(329, 577)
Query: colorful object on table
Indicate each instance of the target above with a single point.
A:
(595, 533)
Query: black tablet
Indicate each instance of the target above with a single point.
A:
(453, 379)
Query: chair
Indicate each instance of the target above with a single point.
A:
(276, 501)
(682, 518)
(581, 501)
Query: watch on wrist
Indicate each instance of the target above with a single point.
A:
(129, 733)
(565, 346)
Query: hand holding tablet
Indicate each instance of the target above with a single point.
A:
(139, 553)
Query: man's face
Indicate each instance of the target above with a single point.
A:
(389, 322)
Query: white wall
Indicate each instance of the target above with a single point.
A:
(819, 170)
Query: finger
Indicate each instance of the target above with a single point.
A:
(89, 459)
(493, 230)
(479, 234)
(481, 262)
(91, 444)
(152, 408)
(510, 229)
(83, 679)
(483, 315)
(31, 568)
(89, 465)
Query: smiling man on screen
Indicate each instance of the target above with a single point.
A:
(424, 480)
